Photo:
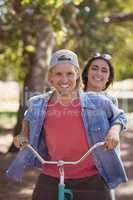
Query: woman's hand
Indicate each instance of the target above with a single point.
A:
(16, 141)
(113, 138)
(20, 141)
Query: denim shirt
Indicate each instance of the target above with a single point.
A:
(98, 114)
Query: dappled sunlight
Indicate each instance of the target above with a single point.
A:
(8, 106)
(126, 84)
(129, 136)
(124, 153)
(9, 96)
(26, 191)
(126, 189)
(130, 123)
(5, 142)
(125, 145)
(128, 163)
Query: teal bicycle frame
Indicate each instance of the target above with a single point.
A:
(60, 163)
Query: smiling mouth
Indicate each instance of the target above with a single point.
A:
(97, 79)
(64, 86)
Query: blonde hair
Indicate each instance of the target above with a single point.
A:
(79, 83)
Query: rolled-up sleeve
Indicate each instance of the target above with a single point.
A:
(28, 111)
(116, 116)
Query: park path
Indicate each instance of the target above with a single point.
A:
(10, 190)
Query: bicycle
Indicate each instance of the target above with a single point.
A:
(60, 163)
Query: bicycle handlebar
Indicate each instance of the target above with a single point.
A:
(61, 162)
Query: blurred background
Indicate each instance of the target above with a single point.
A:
(30, 30)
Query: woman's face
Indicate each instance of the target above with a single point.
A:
(63, 78)
(98, 75)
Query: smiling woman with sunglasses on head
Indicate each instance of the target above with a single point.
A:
(98, 75)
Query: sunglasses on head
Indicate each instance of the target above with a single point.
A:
(105, 56)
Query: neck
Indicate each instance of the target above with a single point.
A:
(65, 99)
(93, 89)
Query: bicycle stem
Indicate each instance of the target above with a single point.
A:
(61, 163)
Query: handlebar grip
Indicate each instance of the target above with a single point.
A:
(23, 140)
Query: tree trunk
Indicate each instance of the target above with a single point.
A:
(35, 81)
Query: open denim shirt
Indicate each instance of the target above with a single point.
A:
(98, 114)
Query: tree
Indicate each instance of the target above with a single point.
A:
(86, 26)
(31, 29)
(37, 49)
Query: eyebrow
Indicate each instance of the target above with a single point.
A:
(94, 65)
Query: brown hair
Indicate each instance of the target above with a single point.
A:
(85, 72)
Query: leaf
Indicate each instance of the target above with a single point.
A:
(30, 48)
(77, 2)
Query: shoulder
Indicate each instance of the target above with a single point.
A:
(97, 96)
(104, 96)
(112, 98)
(94, 99)
(40, 98)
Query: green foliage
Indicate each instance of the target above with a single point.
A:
(103, 37)
(10, 63)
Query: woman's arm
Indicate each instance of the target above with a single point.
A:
(118, 123)
(23, 136)
(113, 137)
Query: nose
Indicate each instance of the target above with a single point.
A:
(64, 79)
(99, 72)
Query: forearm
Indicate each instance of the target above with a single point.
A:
(116, 128)
(22, 138)
(113, 136)
(116, 116)
(25, 129)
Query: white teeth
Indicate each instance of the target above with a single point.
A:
(97, 79)
(64, 86)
